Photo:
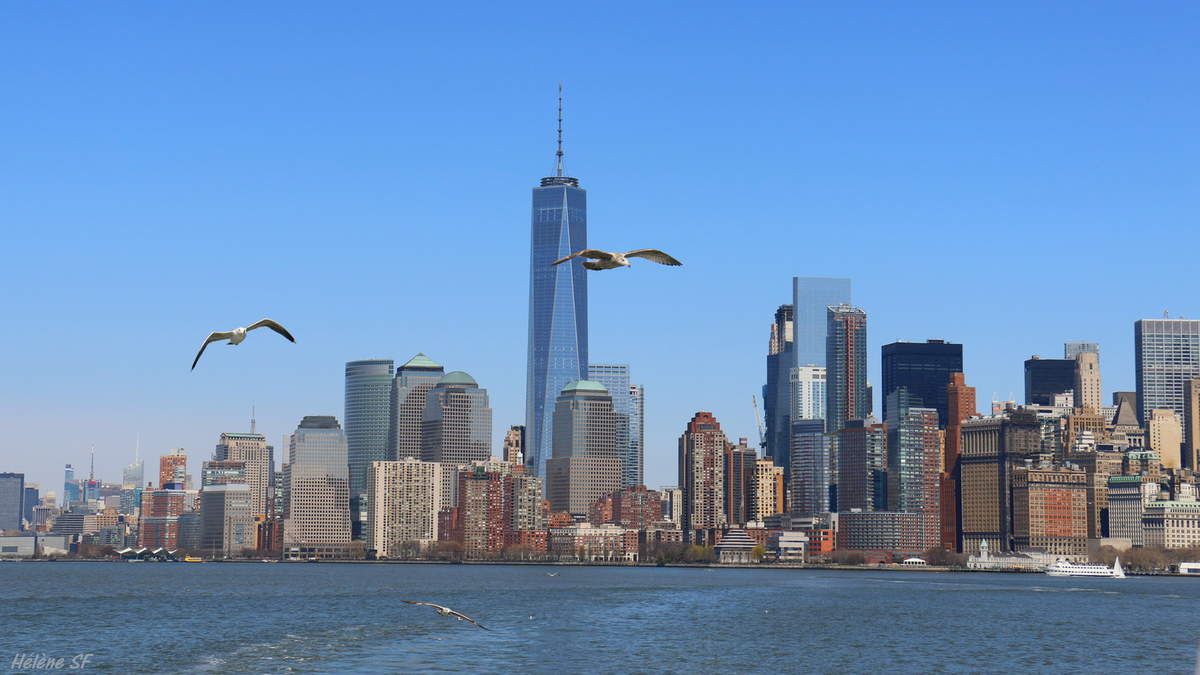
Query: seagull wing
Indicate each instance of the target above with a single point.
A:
(654, 255)
(267, 323)
(594, 253)
(424, 604)
(464, 617)
(212, 337)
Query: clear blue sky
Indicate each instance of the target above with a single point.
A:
(1007, 177)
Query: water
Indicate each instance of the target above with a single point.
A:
(330, 617)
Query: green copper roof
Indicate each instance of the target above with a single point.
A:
(421, 361)
(460, 378)
(585, 385)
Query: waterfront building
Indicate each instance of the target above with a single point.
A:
(628, 402)
(809, 479)
(914, 452)
(636, 507)
(1128, 497)
(172, 468)
(1173, 523)
(1165, 437)
(404, 498)
(12, 501)
(776, 394)
(160, 512)
(594, 543)
(989, 448)
(366, 417)
(1087, 381)
(960, 406)
(1046, 377)
(923, 369)
(862, 466)
(891, 531)
(514, 445)
(811, 298)
(317, 522)
(558, 330)
(1167, 355)
(227, 526)
(406, 412)
(739, 481)
(221, 472)
(258, 458)
(766, 495)
(1049, 511)
(702, 474)
(587, 462)
(846, 367)
(457, 424)
(735, 548)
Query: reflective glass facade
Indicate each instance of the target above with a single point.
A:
(810, 297)
(368, 404)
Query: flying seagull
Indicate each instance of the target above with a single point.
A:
(236, 336)
(604, 260)
(446, 611)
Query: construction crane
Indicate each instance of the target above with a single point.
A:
(762, 428)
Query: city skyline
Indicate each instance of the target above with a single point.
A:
(141, 387)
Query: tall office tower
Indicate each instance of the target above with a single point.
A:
(811, 296)
(1087, 381)
(318, 494)
(702, 475)
(846, 367)
(222, 472)
(1165, 434)
(1191, 423)
(514, 445)
(1046, 377)
(172, 468)
(627, 402)
(457, 423)
(134, 474)
(862, 466)
(809, 480)
(1073, 349)
(767, 497)
(739, 471)
(558, 332)
(71, 492)
(808, 393)
(159, 523)
(410, 392)
(923, 368)
(777, 406)
(1167, 354)
(31, 500)
(914, 451)
(227, 524)
(403, 497)
(960, 406)
(991, 446)
(367, 413)
(587, 463)
(12, 501)
(259, 458)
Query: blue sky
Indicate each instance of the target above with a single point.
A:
(1008, 177)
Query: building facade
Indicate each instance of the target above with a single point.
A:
(811, 298)
(1166, 355)
(367, 411)
(318, 497)
(258, 460)
(406, 412)
(457, 423)
(923, 369)
(846, 367)
(702, 474)
(809, 479)
(586, 464)
(404, 497)
(227, 526)
(628, 401)
(1046, 377)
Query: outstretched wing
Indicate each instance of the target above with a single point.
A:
(418, 602)
(654, 255)
(212, 337)
(464, 617)
(595, 254)
(267, 323)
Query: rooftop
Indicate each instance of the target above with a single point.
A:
(458, 378)
(585, 385)
(420, 361)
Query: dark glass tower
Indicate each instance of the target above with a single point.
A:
(1046, 377)
(924, 369)
(558, 342)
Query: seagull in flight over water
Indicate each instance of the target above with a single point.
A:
(446, 611)
(238, 334)
(606, 260)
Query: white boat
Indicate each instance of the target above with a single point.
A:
(1062, 568)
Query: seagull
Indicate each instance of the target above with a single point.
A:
(604, 260)
(236, 336)
(446, 611)
(551, 574)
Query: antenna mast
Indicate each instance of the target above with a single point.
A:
(559, 153)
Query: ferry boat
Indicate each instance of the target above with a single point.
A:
(192, 559)
(1062, 568)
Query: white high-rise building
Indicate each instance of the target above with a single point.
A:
(808, 393)
(403, 497)
(318, 495)
(259, 458)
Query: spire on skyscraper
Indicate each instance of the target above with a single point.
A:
(559, 153)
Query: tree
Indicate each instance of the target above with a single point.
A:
(757, 553)
(942, 558)
(848, 558)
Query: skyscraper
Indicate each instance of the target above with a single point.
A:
(457, 423)
(558, 333)
(367, 412)
(808, 393)
(587, 462)
(1165, 436)
(960, 406)
(258, 458)
(923, 368)
(846, 366)
(739, 470)
(914, 464)
(777, 405)
(1087, 381)
(172, 468)
(811, 296)
(862, 466)
(627, 402)
(767, 498)
(12, 501)
(318, 494)
(1167, 354)
(226, 519)
(410, 390)
(1073, 349)
(1046, 377)
(809, 479)
(71, 492)
(702, 475)
(404, 497)
(1191, 422)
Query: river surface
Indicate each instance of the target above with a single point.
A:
(337, 617)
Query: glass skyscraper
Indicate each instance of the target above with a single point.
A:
(810, 298)
(923, 368)
(368, 404)
(1167, 354)
(627, 401)
(558, 335)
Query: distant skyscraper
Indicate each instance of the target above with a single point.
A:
(587, 462)
(1046, 377)
(226, 520)
(862, 466)
(72, 494)
(767, 497)
(991, 448)
(808, 393)
(923, 368)
(809, 478)
(627, 401)
(702, 475)
(172, 468)
(318, 496)
(367, 412)
(1166, 436)
(514, 445)
(259, 459)
(1167, 354)
(914, 451)
(558, 332)
(960, 406)
(1087, 381)
(12, 501)
(777, 405)
(410, 391)
(1073, 349)
(457, 424)
(811, 296)
(739, 471)
(846, 366)
(160, 511)
(31, 500)
(404, 497)
(222, 472)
